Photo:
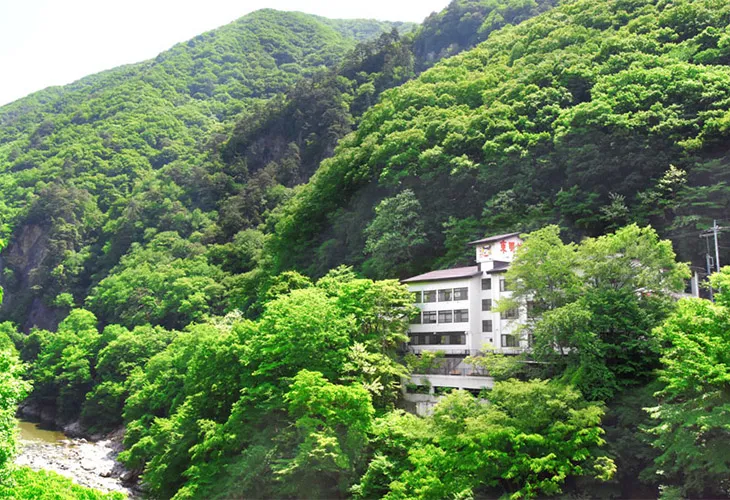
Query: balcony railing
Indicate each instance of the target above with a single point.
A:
(471, 371)
(464, 352)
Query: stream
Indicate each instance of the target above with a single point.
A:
(90, 464)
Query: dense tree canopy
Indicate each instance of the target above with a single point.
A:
(177, 229)
(692, 421)
(592, 115)
(88, 167)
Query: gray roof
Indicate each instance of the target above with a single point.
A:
(493, 238)
(446, 274)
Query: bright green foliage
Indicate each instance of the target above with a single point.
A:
(425, 361)
(596, 304)
(692, 421)
(123, 357)
(331, 344)
(63, 370)
(592, 115)
(381, 310)
(12, 390)
(205, 141)
(88, 167)
(168, 281)
(28, 484)
(164, 195)
(498, 366)
(525, 442)
(331, 425)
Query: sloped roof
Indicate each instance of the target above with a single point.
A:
(446, 274)
(493, 238)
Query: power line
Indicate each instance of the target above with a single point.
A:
(707, 234)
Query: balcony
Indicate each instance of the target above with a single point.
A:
(471, 371)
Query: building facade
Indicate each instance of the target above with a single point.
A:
(457, 317)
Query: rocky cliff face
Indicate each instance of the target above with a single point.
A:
(22, 277)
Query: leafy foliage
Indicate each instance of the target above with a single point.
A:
(28, 484)
(89, 167)
(592, 115)
(596, 303)
(509, 446)
(690, 427)
(12, 390)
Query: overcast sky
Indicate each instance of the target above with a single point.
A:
(54, 42)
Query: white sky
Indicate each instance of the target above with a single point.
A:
(55, 42)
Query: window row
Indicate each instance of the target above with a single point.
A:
(445, 338)
(512, 341)
(448, 316)
(443, 295)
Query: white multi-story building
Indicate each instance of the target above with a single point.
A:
(457, 317)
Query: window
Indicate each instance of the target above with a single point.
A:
(461, 293)
(429, 296)
(530, 339)
(511, 314)
(487, 325)
(503, 285)
(442, 391)
(487, 284)
(416, 318)
(461, 315)
(509, 341)
(417, 297)
(486, 304)
(429, 317)
(445, 317)
(445, 295)
(454, 338)
(446, 338)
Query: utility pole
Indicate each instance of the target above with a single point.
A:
(715, 230)
(712, 232)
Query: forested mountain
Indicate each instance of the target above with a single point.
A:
(465, 23)
(176, 230)
(201, 143)
(87, 168)
(592, 115)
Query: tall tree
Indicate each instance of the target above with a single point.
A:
(596, 303)
(691, 427)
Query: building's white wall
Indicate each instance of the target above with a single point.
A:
(475, 320)
(476, 340)
(451, 305)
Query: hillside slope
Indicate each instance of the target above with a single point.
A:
(74, 158)
(284, 141)
(592, 115)
(191, 147)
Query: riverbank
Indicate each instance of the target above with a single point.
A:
(89, 463)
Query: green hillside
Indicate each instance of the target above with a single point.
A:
(284, 141)
(176, 228)
(75, 159)
(593, 115)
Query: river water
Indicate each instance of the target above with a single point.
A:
(90, 464)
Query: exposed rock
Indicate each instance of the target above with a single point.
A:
(74, 430)
(91, 464)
